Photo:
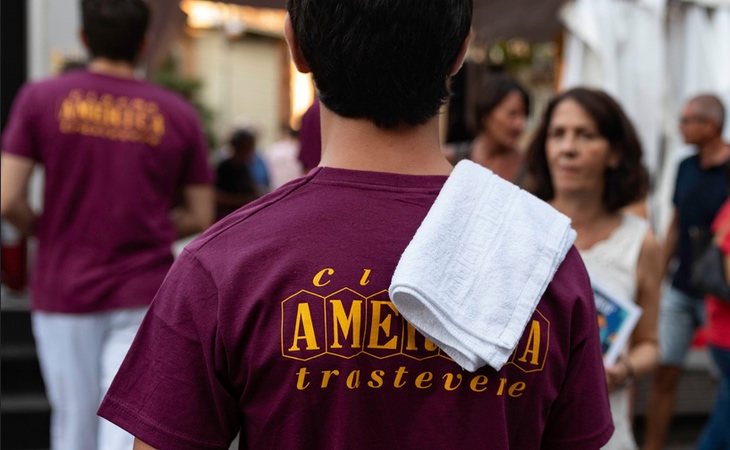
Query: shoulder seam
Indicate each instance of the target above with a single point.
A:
(200, 264)
(305, 182)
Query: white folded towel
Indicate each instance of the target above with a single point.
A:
(478, 265)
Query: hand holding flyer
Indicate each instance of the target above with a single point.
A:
(617, 318)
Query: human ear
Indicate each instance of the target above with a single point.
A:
(459, 61)
(296, 53)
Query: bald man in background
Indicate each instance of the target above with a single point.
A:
(700, 190)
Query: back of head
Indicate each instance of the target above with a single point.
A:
(494, 90)
(710, 108)
(115, 29)
(243, 140)
(387, 61)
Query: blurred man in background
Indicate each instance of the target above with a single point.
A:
(235, 184)
(701, 188)
(118, 153)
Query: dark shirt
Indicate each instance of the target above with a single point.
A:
(234, 178)
(698, 195)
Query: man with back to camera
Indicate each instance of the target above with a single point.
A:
(277, 322)
(117, 153)
(700, 190)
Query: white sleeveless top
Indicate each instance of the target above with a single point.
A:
(613, 263)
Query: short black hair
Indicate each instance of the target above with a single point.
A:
(493, 92)
(625, 184)
(387, 61)
(115, 29)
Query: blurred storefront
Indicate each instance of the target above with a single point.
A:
(240, 55)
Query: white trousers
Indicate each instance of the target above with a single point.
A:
(79, 355)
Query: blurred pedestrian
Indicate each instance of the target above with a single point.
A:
(278, 321)
(716, 435)
(117, 152)
(235, 184)
(257, 166)
(585, 160)
(500, 116)
(701, 188)
(281, 159)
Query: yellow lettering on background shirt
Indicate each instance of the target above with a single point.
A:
(68, 111)
(304, 323)
(82, 110)
(158, 124)
(114, 118)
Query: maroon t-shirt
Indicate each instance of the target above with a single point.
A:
(116, 153)
(278, 321)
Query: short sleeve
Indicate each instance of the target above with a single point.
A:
(19, 137)
(580, 418)
(171, 390)
(197, 168)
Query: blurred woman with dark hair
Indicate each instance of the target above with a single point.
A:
(585, 160)
(499, 117)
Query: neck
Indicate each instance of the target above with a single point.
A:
(583, 208)
(359, 145)
(121, 69)
(714, 152)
